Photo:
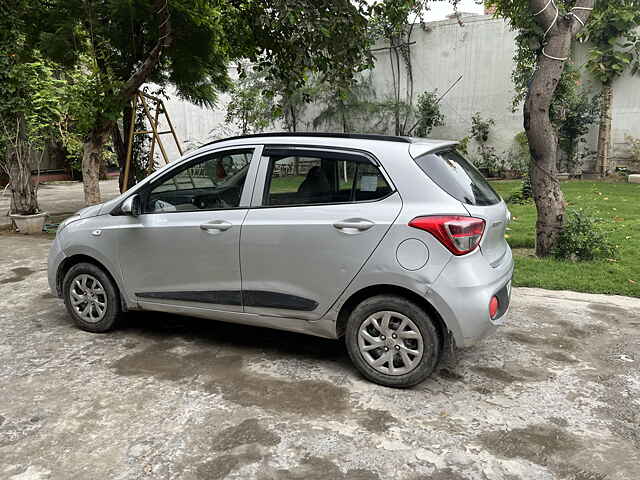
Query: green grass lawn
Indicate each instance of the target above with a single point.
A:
(618, 204)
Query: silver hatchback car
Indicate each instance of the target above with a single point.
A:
(396, 244)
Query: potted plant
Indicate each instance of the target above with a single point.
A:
(30, 115)
(17, 162)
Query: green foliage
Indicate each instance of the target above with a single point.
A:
(521, 158)
(488, 159)
(615, 41)
(394, 20)
(480, 127)
(576, 113)
(529, 42)
(524, 194)
(427, 113)
(583, 238)
(463, 145)
(30, 91)
(634, 148)
(251, 108)
(109, 41)
(343, 106)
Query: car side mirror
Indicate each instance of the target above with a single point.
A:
(131, 206)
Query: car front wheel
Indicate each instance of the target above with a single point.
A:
(392, 341)
(91, 298)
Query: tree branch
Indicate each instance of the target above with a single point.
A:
(545, 10)
(581, 13)
(136, 80)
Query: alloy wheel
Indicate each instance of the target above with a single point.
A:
(390, 342)
(88, 298)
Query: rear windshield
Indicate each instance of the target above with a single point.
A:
(458, 177)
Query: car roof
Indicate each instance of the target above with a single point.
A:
(423, 144)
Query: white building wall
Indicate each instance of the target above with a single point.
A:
(482, 52)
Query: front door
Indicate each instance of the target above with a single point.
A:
(184, 248)
(320, 216)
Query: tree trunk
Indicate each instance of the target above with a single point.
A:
(24, 199)
(91, 164)
(120, 145)
(604, 132)
(17, 165)
(543, 139)
(543, 144)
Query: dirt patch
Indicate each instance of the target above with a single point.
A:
(226, 375)
(498, 374)
(561, 422)
(579, 333)
(537, 443)
(376, 421)
(444, 474)
(545, 445)
(245, 433)
(223, 465)
(543, 314)
(449, 374)
(608, 309)
(315, 468)
(19, 274)
(524, 338)
(560, 357)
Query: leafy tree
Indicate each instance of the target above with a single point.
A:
(123, 44)
(343, 105)
(251, 108)
(30, 109)
(615, 48)
(550, 28)
(581, 111)
(394, 20)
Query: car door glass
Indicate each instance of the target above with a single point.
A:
(321, 179)
(212, 182)
(370, 184)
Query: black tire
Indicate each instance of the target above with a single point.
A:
(420, 318)
(111, 298)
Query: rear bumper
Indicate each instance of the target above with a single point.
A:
(463, 291)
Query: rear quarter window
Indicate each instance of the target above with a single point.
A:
(459, 178)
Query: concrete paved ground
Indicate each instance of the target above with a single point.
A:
(555, 394)
(59, 199)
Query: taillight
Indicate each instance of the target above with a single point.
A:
(494, 305)
(460, 235)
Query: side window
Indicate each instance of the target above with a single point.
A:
(213, 182)
(370, 184)
(320, 178)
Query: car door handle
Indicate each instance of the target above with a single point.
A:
(360, 225)
(219, 225)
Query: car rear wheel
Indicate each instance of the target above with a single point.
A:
(91, 298)
(392, 341)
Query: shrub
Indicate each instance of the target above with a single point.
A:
(488, 159)
(428, 113)
(521, 158)
(634, 148)
(524, 194)
(480, 128)
(463, 145)
(583, 238)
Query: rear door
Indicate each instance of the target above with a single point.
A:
(463, 181)
(316, 216)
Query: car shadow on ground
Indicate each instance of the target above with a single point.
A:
(217, 334)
